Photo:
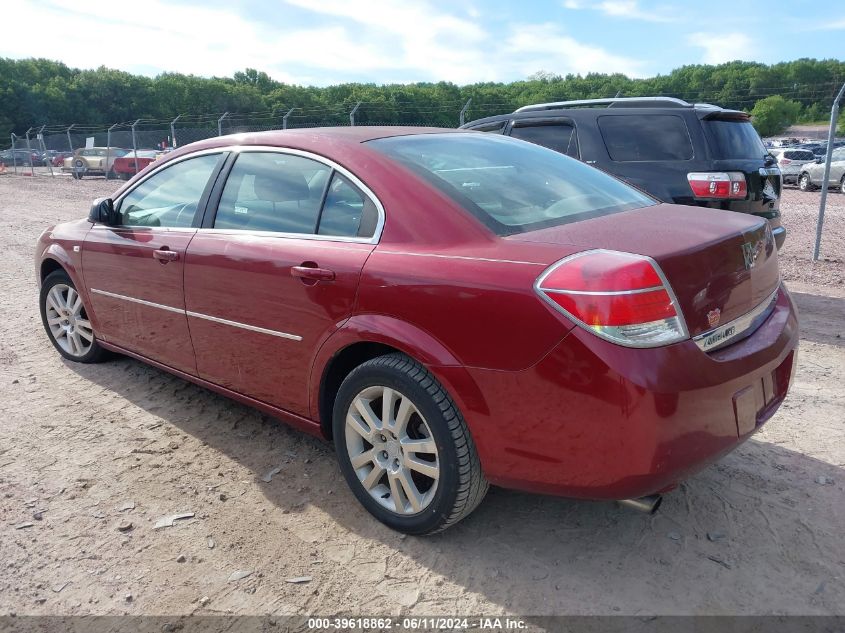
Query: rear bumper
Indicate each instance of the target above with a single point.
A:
(600, 421)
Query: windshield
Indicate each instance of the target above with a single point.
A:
(734, 139)
(510, 185)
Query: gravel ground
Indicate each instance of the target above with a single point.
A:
(91, 457)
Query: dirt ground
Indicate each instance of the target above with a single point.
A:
(85, 451)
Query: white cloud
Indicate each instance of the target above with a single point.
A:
(373, 40)
(629, 9)
(723, 47)
(562, 54)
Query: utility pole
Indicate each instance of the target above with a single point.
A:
(69, 142)
(220, 124)
(831, 134)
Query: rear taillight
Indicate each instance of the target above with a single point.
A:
(621, 297)
(718, 185)
(785, 161)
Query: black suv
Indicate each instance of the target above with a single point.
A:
(694, 154)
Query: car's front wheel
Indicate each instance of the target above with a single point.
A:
(66, 320)
(404, 447)
(804, 182)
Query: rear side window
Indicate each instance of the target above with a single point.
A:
(646, 137)
(733, 139)
(496, 127)
(509, 186)
(347, 212)
(270, 191)
(560, 137)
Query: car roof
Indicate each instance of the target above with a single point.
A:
(318, 140)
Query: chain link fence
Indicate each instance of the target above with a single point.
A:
(44, 150)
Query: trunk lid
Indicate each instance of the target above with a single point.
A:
(720, 264)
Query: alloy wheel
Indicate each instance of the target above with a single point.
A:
(392, 450)
(68, 321)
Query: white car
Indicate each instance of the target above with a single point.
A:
(790, 161)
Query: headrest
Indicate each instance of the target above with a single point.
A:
(281, 186)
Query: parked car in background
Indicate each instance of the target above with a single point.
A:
(790, 160)
(93, 161)
(20, 158)
(812, 174)
(59, 158)
(699, 155)
(450, 308)
(127, 166)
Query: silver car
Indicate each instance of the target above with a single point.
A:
(812, 174)
(790, 161)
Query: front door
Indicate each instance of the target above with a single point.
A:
(134, 269)
(275, 272)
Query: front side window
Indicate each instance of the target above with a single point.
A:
(271, 191)
(646, 137)
(560, 137)
(511, 187)
(170, 197)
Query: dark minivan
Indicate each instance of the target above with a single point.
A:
(693, 154)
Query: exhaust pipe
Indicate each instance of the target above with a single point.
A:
(647, 504)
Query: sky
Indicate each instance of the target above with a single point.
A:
(324, 42)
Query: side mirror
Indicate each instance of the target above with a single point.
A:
(102, 211)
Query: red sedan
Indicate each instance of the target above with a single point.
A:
(125, 167)
(451, 308)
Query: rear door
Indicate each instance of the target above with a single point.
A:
(134, 270)
(274, 271)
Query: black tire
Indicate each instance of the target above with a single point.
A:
(111, 175)
(804, 182)
(95, 352)
(461, 484)
(77, 175)
(842, 185)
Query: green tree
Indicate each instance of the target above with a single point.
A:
(774, 114)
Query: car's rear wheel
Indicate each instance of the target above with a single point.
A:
(404, 447)
(842, 185)
(804, 182)
(66, 320)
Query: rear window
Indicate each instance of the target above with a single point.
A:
(511, 187)
(733, 139)
(646, 137)
(799, 154)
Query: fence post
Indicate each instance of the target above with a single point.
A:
(47, 160)
(464, 110)
(69, 142)
(285, 119)
(29, 149)
(108, 146)
(220, 124)
(173, 131)
(14, 154)
(134, 145)
(352, 114)
(831, 134)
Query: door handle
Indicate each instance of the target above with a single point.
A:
(309, 273)
(165, 255)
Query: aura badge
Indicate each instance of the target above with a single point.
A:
(713, 317)
(750, 252)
